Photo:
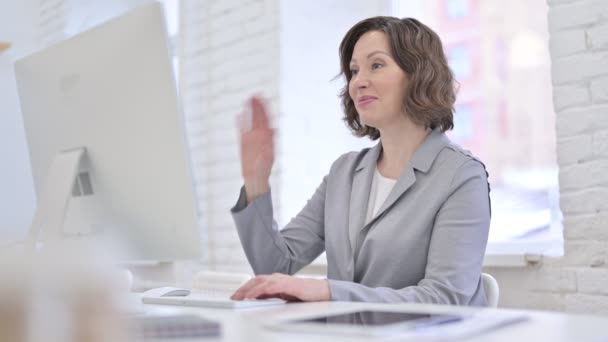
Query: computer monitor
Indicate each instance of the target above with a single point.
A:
(106, 139)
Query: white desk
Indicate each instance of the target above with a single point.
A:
(247, 325)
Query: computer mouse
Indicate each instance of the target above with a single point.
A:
(176, 292)
(167, 291)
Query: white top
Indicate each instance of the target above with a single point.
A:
(381, 188)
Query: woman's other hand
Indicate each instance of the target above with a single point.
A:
(278, 285)
(257, 149)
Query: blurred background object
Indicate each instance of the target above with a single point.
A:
(4, 46)
(62, 292)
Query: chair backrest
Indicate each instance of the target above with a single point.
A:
(490, 286)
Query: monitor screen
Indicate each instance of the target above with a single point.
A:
(110, 92)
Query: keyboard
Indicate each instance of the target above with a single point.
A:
(216, 299)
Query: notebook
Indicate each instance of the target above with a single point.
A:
(209, 289)
(177, 326)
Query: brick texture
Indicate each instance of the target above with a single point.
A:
(576, 282)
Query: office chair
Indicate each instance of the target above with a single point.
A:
(490, 286)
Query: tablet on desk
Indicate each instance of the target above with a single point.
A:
(368, 323)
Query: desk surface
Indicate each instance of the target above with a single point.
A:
(247, 324)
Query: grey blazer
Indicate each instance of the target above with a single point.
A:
(425, 245)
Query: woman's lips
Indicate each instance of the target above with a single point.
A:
(362, 101)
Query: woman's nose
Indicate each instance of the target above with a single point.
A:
(361, 81)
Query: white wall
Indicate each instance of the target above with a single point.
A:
(26, 24)
(230, 50)
(578, 282)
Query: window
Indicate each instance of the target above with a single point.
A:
(460, 61)
(457, 9)
(495, 120)
(463, 123)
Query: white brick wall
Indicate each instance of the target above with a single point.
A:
(229, 51)
(51, 21)
(578, 282)
(567, 96)
(599, 89)
(568, 42)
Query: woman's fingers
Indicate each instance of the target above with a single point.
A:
(240, 293)
(286, 287)
(273, 286)
(254, 116)
(256, 146)
(283, 296)
(259, 114)
(243, 120)
(266, 288)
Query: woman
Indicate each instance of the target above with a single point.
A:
(404, 221)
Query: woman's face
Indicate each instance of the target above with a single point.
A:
(378, 84)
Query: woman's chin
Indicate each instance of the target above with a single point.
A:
(370, 122)
(368, 119)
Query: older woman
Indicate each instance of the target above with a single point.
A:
(404, 221)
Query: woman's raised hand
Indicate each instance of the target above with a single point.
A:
(257, 149)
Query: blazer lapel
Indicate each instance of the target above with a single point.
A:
(406, 180)
(359, 196)
(421, 160)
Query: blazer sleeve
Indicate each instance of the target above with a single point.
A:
(269, 249)
(455, 255)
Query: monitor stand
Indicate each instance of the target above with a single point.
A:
(50, 218)
(54, 198)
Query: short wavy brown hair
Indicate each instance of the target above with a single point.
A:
(429, 98)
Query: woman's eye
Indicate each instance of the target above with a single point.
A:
(354, 71)
(376, 65)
